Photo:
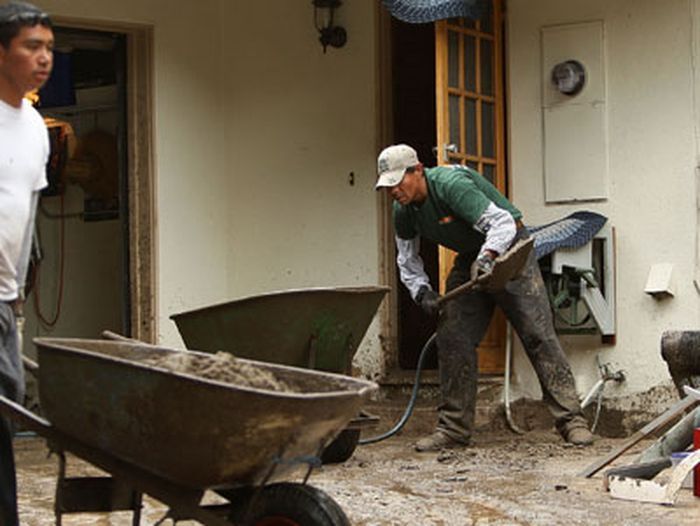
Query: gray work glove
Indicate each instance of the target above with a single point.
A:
(482, 266)
(427, 299)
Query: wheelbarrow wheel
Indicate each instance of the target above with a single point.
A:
(342, 447)
(286, 504)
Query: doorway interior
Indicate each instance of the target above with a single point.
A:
(414, 118)
(79, 278)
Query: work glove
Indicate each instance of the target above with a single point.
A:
(427, 299)
(482, 266)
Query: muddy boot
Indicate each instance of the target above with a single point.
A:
(578, 435)
(438, 441)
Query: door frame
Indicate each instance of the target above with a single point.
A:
(140, 170)
(388, 313)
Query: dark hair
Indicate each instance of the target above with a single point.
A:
(16, 15)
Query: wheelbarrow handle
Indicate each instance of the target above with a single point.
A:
(30, 364)
(33, 367)
(114, 336)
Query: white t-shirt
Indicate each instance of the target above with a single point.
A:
(24, 152)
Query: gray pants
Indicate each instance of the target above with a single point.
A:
(12, 387)
(463, 323)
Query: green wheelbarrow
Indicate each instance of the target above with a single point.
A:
(315, 328)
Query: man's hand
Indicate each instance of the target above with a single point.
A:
(427, 299)
(483, 264)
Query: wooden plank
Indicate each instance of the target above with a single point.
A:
(663, 419)
(462, 73)
(499, 89)
(441, 97)
(643, 470)
(477, 107)
(629, 488)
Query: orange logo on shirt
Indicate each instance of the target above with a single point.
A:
(446, 220)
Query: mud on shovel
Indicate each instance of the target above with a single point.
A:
(506, 267)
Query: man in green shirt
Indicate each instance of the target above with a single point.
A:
(458, 208)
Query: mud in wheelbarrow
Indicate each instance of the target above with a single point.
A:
(176, 434)
(316, 328)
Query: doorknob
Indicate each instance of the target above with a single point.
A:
(446, 150)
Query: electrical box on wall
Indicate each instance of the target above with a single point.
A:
(574, 112)
(580, 283)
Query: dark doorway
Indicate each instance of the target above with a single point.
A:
(414, 117)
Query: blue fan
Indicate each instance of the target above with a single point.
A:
(422, 11)
(573, 231)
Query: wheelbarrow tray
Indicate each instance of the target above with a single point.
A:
(196, 432)
(316, 328)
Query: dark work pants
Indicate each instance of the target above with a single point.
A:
(12, 387)
(463, 323)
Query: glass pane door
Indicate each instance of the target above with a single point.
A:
(470, 128)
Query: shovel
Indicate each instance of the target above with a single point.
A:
(506, 267)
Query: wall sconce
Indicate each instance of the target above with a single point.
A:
(329, 34)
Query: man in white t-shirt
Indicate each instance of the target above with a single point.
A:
(26, 57)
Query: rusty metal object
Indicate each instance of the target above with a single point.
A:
(318, 328)
(194, 432)
(681, 351)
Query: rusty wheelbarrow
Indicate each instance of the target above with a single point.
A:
(174, 435)
(316, 328)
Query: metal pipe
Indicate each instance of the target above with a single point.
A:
(593, 392)
(506, 380)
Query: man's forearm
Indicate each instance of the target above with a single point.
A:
(411, 269)
(499, 228)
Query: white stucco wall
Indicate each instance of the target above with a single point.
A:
(652, 159)
(298, 123)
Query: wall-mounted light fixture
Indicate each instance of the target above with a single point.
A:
(329, 33)
(569, 77)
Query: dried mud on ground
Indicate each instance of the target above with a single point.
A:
(503, 479)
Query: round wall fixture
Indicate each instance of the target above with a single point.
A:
(569, 77)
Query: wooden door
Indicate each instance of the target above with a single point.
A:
(470, 125)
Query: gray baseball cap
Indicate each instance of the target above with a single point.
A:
(392, 164)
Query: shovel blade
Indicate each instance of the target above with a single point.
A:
(507, 266)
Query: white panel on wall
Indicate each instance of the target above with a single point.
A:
(575, 130)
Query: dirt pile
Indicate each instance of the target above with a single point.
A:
(222, 367)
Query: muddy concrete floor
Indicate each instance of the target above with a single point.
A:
(503, 479)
